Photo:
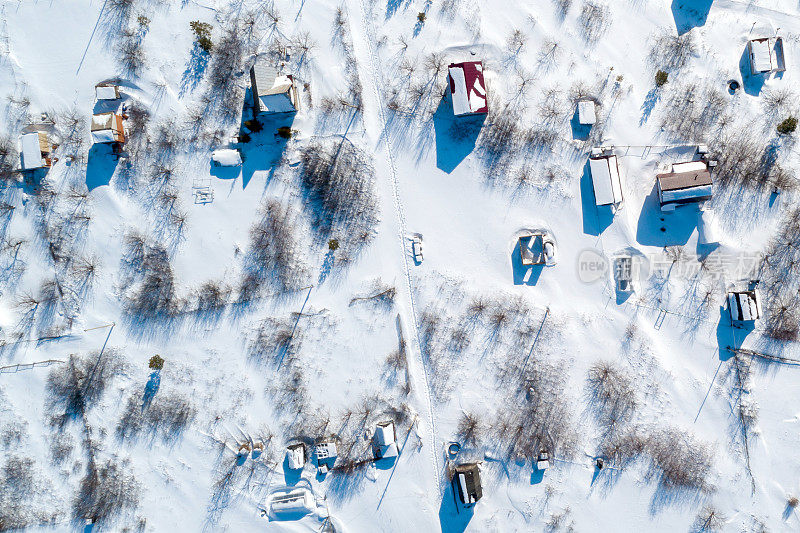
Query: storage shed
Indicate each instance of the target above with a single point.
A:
(296, 456)
(107, 128)
(385, 440)
(468, 88)
(105, 91)
(766, 55)
(35, 150)
(687, 183)
(272, 91)
(606, 179)
(586, 112)
(744, 306)
(467, 484)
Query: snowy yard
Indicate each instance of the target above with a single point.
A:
(310, 296)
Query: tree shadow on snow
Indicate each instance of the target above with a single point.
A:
(659, 228)
(455, 136)
(690, 14)
(194, 70)
(100, 166)
(580, 131)
(596, 218)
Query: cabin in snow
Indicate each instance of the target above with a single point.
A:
(586, 112)
(537, 249)
(385, 440)
(467, 88)
(35, 150)
(766, 55)
(326, 456)
(687, 183)
(272, 91)
(744, 306)
(107, 128)
(296, 456)
(467, 483)
(606, 182)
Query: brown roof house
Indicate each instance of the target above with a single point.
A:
(467, 484)
(107, 128)
(272, 91)
(36, 149)
(687, 183)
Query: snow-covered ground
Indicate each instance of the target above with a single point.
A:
(271, 334)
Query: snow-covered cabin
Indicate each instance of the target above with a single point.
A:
(744, 306)
(605, 179)
(296, 455)
(295, 501)
(586, 112)
(766, 55)
(272, 91)
(543, 461)
(623, 273)
(35, 150)
(385, 439)
(106, 91)
(226, 157)
(468, 88)
(687, 183)
(107, 128)
(467, 483)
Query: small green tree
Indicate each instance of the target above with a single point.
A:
(143, 21)
(333, 245)
(156, 362)
(421, 18)
(661, 78)
(788, 126)
(202, 34)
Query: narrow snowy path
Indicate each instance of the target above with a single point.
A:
(361, 26)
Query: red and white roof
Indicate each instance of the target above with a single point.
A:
(468, 88)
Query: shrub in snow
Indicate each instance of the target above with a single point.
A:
(593, 20)
(8, 158)
(106, 491)
(789, 125)
(661, 78)
(166, 415)
(275, 253)
(338, 183)
(202, 34)
(612, 394)
(672, 51)
(469, 429)
(156, 362)
(81, 381)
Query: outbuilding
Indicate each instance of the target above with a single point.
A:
(688, 182)
(586, 112)
(766, 55)
(272, 91)
(296, 456)
(107, 128)
(468, 88)
(35, 150)
(744, 306)
(385, 440)
(537, 249)
(606, 181)
(106, 91)
(467, 483)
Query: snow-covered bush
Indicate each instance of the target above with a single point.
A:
(106, 491)
(612, 394)
(593, 20)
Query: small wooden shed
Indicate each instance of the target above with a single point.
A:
(467, 483)
(606, 179)
(586, 112)
(744, 306)
(766, 55)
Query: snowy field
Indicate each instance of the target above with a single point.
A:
(286, 305)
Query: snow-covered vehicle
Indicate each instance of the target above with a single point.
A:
(226, 157)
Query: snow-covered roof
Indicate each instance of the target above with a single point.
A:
(274, 92)
(468, 480)
(606, 180)
(103, 136)
(299, 500)
(106, 92)
(326, 450)
(296, 456)
(31, 151)
(468, 88)
(384, 433)
(586, 112)
(766, 55)
(744, 306)
(226, 157)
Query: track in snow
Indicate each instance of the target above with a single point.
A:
(369, 43)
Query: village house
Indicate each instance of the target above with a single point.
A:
(272, 92)
(687, 183)
(107, 128)
(766, 55)
(35, 150)
(604, 168)
(468, 88)
(467, 484)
